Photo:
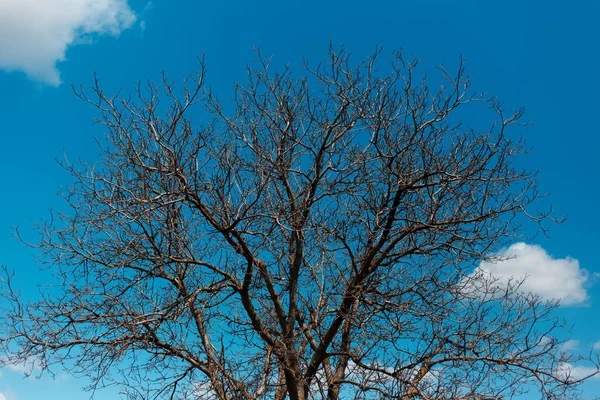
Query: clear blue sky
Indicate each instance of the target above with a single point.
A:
(541, 54)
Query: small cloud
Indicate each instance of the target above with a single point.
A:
(596, 346)
(569, 346)
(203, 390)
(148, 7)
(548, 277)
(2, 396)
(21, 368)
(576, 372)
(25, 367)
(35, 34)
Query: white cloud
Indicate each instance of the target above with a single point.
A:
(569, 346)
(21, 368)
(25, 367)
(2, 397)
(576, 372)
(548, 277)
(597, 346)
(35, 34)
(203, 390)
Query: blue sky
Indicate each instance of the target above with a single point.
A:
(541, 54)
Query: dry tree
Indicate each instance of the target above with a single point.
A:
(313, 238)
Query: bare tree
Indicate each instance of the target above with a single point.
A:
(316, 238)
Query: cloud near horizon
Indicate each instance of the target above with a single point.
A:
(550, 278)
(35, 34)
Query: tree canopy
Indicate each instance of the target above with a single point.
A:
(315, 237)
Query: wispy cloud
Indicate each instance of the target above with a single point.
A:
(35, 34)
(548, 277)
